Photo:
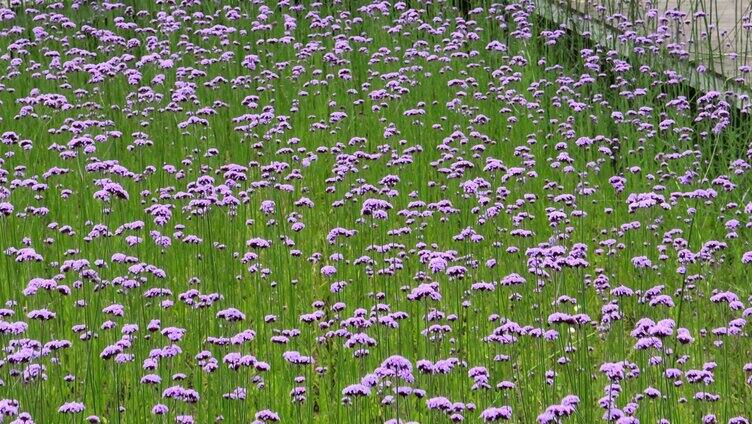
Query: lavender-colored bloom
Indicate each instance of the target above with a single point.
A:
(71, 408)
(267, 416)
(493, 414)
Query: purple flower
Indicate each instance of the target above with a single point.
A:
(266, 416)
(231, 314)
(493, 414)
(747, 257)
(71, 408)
(396, 366)
(159, 409)
(328, 270)
(356, 390)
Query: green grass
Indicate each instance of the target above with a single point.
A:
(294, 283)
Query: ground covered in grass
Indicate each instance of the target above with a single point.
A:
(352, 212)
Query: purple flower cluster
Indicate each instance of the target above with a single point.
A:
(369, 211)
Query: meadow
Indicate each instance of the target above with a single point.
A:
(365, 212)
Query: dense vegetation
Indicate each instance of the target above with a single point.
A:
(352, 212)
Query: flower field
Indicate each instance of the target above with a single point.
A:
(366, 212)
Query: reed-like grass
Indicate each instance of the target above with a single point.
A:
(508, 154)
